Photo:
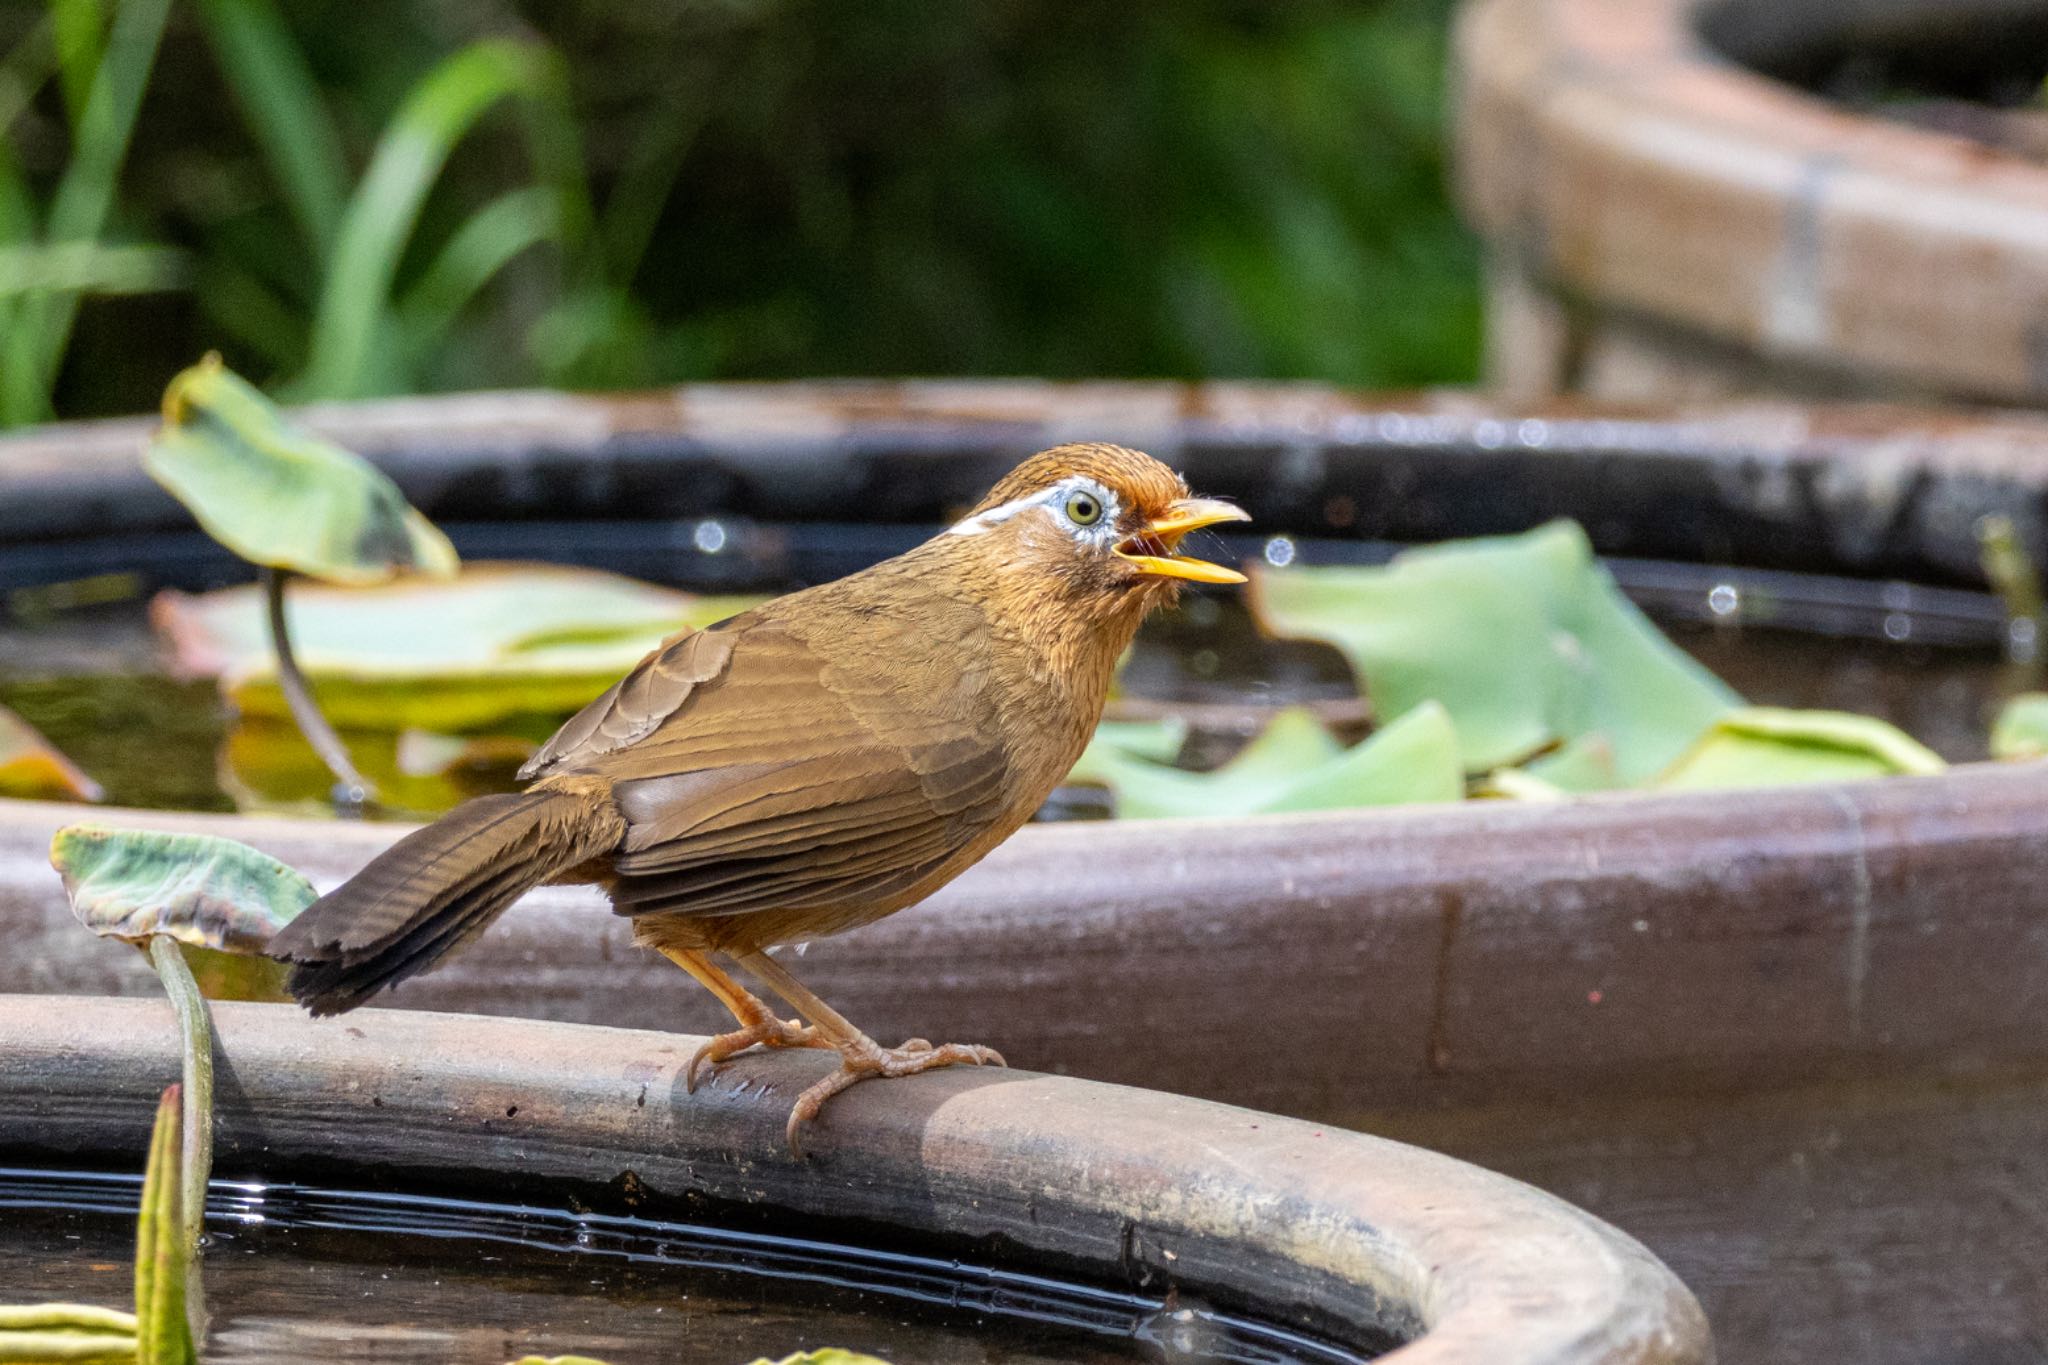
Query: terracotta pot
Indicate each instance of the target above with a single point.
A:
(1726, 1021)
(1665, 222)
(1315, 1229)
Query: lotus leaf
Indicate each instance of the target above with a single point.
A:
(267, 766)
(2021, 730)
(1293, 765)
(1525, 640)
(199, 889)
(31, 768)
(280, 497)
(1762, 746)
(501, 640)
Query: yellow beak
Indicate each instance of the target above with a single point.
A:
(1151, 551)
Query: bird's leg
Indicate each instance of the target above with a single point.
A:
(860, 1057)
(758, 1024)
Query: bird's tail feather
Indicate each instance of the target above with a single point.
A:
(437, 888)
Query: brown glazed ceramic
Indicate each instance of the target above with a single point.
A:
(1320, 1229)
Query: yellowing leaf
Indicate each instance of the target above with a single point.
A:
(1525, 640)
(33, 770)
(1761, 746)
(280, 497)
(501, 640)
(197, 888)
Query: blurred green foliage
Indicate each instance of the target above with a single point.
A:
(381, 196)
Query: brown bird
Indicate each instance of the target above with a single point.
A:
(805, 767)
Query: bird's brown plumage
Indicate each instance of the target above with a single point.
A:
(805, 767)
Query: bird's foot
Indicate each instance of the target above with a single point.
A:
(864, 1059)
(767, 1031)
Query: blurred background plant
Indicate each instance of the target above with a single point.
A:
(387, 197)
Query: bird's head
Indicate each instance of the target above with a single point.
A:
(1099, 525)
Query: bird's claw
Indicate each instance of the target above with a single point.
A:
(769, 1032)
(866, 1059)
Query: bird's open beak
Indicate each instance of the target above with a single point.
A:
(1152, 550)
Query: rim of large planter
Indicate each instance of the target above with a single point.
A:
(1606, 149)
(1856, 489)
(1680, 944)
(1320, 1230)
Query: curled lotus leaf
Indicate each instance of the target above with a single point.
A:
(279, 496)
(203, 891)
(1526, 640)
(1764, 746)
(499, 641)
(1294, 764)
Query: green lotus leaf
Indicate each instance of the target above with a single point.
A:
(203, 891)
(2021, 730)
(1293, 765)
(280, 497)
(1525, 640)
(498, 642)
(1762, 746)
(267, 766)
(31, 767)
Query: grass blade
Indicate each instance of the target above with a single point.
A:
(23, 70)
(84, 267)
(162, 1256)
(78, 212)
(195, 1144)
(281, 102)
(489, 241)
(382, 213)
(80, 28)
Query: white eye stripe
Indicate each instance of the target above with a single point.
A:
(1053, 499)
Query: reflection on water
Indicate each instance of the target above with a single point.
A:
(294, 1273)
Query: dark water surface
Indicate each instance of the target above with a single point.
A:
(293, 1273)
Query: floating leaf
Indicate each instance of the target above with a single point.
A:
(267, 766)
(31, 767)
(1525, 639)
(163, 1256)
(1761, 746)
(558, 1360)
(831, 1355)
(67, 1332)
(2021, 730)
(1585, 764)
(199, 889)
(280, 497)
(1158, 740)
(1294, 764)
(500, 641)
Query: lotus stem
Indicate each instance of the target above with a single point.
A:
(352, 791)
(195, 1022)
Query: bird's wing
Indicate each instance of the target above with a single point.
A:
(813, 767)
(634, 705)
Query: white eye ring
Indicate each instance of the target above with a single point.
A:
(1083, 508)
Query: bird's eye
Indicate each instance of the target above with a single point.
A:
(1084, 509)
